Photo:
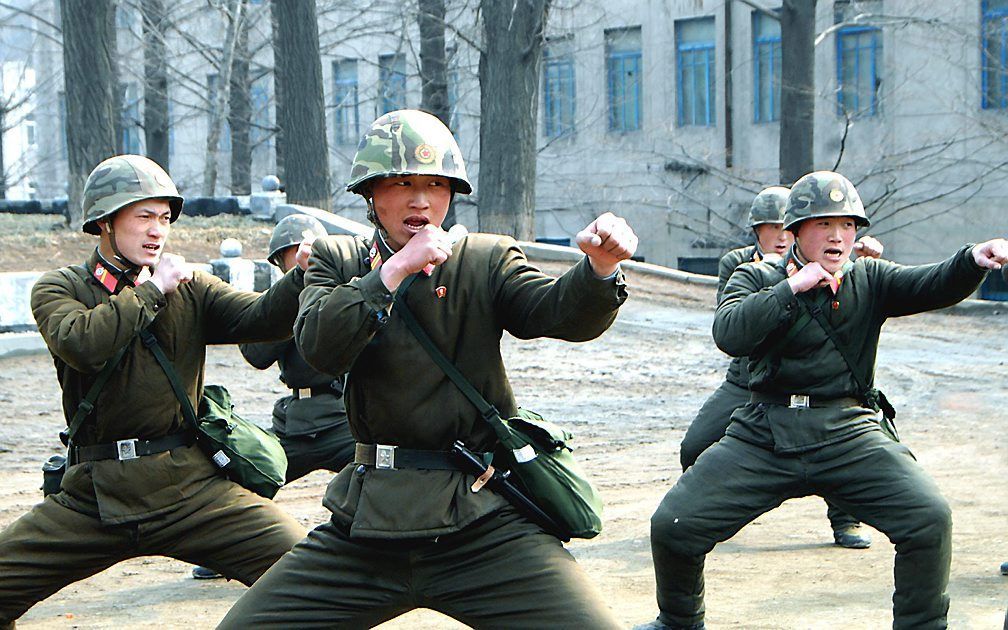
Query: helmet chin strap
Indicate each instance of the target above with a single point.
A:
(119, 256)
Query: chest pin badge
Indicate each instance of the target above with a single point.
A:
(441, 291)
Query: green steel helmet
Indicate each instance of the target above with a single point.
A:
(823, 194)
(768, 206)
(408, 142)
(121, 180)
(291, 230)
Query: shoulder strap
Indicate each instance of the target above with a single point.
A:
(86, 406)
(487, 411)
(151, 342)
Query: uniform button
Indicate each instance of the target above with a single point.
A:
(360, 470)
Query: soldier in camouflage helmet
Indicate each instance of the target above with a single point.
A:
(809, 325)
(136, 483)
(410, 526)
(766, 218)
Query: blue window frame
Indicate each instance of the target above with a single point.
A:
(623, 78)
(696, 72)
(859, 58)
(346, 113)
(392, 82)
(994, 54)
(558, 88)
(766, 68)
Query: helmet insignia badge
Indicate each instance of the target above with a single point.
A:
(836, 195)
(424, 154)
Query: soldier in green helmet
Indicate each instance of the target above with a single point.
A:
(412, 530)
(809, 325)
(766, 219)
(136, 483)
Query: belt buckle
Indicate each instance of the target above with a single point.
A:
(304, 392)
(799, 401)
(126, 449)
(384, 456)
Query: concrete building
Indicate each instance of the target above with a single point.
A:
(666, 111)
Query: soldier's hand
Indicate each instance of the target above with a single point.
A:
(171, 271)
(868, 247)
(992, 254)
(429, 246)
(809, 277)
(772, 257)
(607, 240)
(304, 252)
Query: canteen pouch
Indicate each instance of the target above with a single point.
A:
(243, 452)
(52, 474)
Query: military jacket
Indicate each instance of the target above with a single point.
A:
(737, 374)
(84, 326)
(758, 308)
(397, 395)
(293, 417)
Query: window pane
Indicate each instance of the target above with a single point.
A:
(695, 58)
(346, 113)
(623, 60)
(392, 77)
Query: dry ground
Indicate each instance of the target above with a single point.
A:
(629, 397)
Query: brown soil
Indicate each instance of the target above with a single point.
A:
(629, 397)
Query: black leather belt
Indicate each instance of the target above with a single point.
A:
(133, 448)
(802, 401)
(387, 457)
(308, 392)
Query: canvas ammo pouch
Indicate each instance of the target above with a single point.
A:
(244, 453)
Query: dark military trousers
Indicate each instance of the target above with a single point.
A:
(871, 476)
(501, 572)
(710, 425)
(223, 526)
(329, 449)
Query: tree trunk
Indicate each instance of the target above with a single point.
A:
(234, 16)
(301, 118)
(510, 65)
(89, 76)
(797, 89)
(156, 83)
(434, 70)
(240, 115)
(278, 140)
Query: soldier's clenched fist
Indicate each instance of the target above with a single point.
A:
(171, 271)
(809, 277)
(607, 240)
(429, 246)
(992, 254)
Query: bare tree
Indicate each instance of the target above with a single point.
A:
(234, 15)
(797, 19)
(156, 83)
(89, 74)
(510, 65)
(301, 118)
(240, 113)
(434, 69)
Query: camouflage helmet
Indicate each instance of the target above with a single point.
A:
(768, 206)
(408, 142)
(122, 180)
(291, 230)
(823, 194)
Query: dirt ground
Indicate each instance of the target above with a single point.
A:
(628, 397)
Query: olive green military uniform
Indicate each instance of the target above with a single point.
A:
(835, 447)
(714, 416)
(171, 503)
(311, 422)
(407, 538)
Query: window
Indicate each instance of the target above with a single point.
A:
(766, 68)
(346, 116)
(859, 52)
(392, 82)
(558, 87)
(29, 122)
(994, 34)
(130, 120)
(695, 51)
(623, 70)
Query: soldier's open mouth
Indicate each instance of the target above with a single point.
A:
(152, 247)
(415, 223)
